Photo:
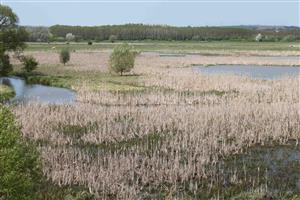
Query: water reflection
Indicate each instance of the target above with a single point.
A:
(39, 93)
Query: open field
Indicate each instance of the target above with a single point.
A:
(164, 131)
(210, 48)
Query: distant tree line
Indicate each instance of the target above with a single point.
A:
(38, 34)
(159, 32)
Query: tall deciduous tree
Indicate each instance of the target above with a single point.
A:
(12, 37)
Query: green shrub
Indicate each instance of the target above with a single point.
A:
(122, 59)
(112, 38)
(289, 38)
(64, 56)
(196, 38)
(20, 172)
(29, 63)
(6, 93)
(90, 42)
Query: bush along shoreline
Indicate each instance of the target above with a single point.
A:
(6, 93)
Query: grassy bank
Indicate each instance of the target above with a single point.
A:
(6, 93)
(59, 76)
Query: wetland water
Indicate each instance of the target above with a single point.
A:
(277, 163)
(37, 93)
(258, 72)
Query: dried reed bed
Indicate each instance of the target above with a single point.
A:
(187, 88)
(154, 60)
(123, 146)
(291, 52)
(80, 61)
(186, 79)
(98, 61)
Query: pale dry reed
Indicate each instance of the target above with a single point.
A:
(79, 61)
(124, 146)
(154, 60)
(97, 61)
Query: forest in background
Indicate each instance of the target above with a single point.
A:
(162, 32)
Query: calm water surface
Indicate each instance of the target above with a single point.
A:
(38, 93)
(258, 72)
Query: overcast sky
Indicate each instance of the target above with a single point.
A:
(183, 13)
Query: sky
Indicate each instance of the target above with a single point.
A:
(169, 12)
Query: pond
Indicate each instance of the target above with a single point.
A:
(257, 72)
(37, 93)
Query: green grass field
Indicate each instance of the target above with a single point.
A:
(174, 46)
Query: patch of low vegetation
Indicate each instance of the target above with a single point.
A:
(29, 63)
(50, 76)
(76, 131)
(54, 192)
(148, 142)
(56, 81)
(39, 77)
(6, 93)
(151, 140)
(219, 93)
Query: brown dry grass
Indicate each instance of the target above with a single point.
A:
(154, 60)
(79, 61)
(98, 61)
(122, 145)
(112, 152)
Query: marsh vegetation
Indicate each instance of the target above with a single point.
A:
(157, 130)
(164, 131)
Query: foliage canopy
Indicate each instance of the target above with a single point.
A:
(122, 59)
(12, 37)
(20, 171)
(30, 63)
(64, 56)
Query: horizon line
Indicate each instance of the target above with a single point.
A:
(184, 26)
